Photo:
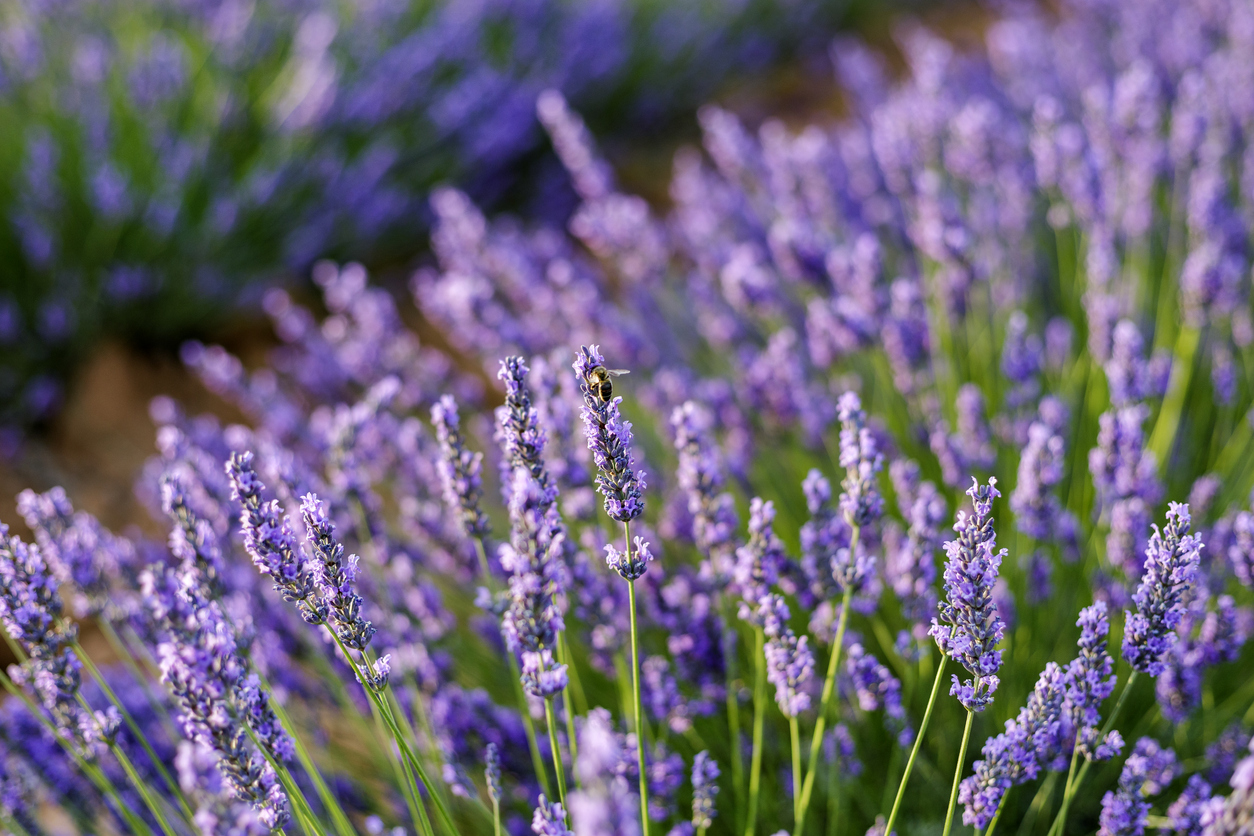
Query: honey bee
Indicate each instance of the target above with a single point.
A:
(599, 381)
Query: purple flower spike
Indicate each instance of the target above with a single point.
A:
(459, 468)
(1170, 569)
(492, 771)
(704, 788)
(334, 576)
(968, 627)
(1089, 681)
(1150, 768)
(549, 819)
(700, 476)
(789, 662)
(609, 439)
(1186, 812)
(759, 561)
(271, 544)
(859, 455)
(1033, 741)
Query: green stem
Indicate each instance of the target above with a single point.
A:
(537, 760)
(829, 691)
(557, 752)
(962, 757)
(733, 722)
(918, 740)
(759, 716)
(564, 657)
(496, 817)
(639, 707)
(795, 736)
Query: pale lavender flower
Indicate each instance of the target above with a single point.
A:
(1170, 569)
(700, 477)
(827, 558)
(604, 804)
(704, 789)
(910, 560)
(874, 687)
(632, 564)
(789, 662)
(518, 423)
(968, 627)
(460, 468)
(609, 439)
(271, 544)
(1234, 815)
(1038, 513)
(492, 771)
(1148, 770)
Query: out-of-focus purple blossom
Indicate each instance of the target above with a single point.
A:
(1222, 755)
(874, 687)
(271, 544)
(1125, 475)
(1035, 740)
(704, 789)
(831, 560)
(1148, 770)
(609, 439)
(700, 477)
(549, 819)
(910, 564)
(492, 771)
(1209, 633)
(604, 804)
(459, 468)
(968, 627)
(1038, 512)
(789, 662)
(860, 499)
(1170, 569)
(1232, 816)
(759, 561)
(1184, 816)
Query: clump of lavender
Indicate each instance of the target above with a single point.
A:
(1170, 568)
(704, 789)
(875, 687)
(334, 575)
(759, 561)
(609, 439)
(1038, 513)
(968, 627)
(1033, 741)
(1148, 770)
(271, 544)
(460, 469)
(1089, 681)
(860, 500)
(1186, 813)
(701, 479)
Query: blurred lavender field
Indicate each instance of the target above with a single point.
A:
(676, 517)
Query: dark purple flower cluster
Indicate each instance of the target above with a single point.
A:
(334, 575)
(609, 439)
(969, 627)
(1170, 569)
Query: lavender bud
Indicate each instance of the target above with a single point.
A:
(334, 576)
(631, 565)
(789, 662)
(860, 499)
(704, 789)
(549, 819)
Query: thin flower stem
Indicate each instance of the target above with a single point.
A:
(124, 652)
(795, 736)
(564, 658)
(918, 740)
(962, 757)
(557, 751)
(175, 791)
(635, 689)
(829, 690)
(1072, 786)
(733, 719)
(833, 799)
(496, 817)
(759, 716)
(300, 804)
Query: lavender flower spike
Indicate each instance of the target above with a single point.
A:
(968, 627)
(789, 662)
(1148, 770)
(609, 439)
(518, 423)
(1089, 681)
(859, 455)
(270, 542)
(704, 788)
(492, 772)
(459, 468)
(1170, 568)
(334, 576)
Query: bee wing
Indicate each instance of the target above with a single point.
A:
(617, 372)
